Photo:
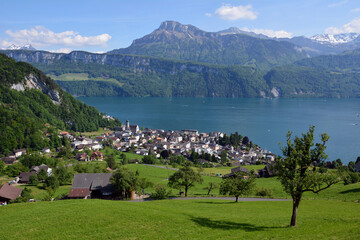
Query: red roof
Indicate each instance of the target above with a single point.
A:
(9, 192)
(79, 192)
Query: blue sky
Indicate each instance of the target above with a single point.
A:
(100, 26)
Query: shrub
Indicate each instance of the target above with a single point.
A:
(264, 192)
(160, 192)
(352, 177)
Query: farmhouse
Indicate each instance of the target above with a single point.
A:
(37, 169)
(25, 176)
(92, 185)
(8, 160)
(8, 193)
(236, 170)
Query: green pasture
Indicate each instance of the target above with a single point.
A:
(81, 77)
(178, 219)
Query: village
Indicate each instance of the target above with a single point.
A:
(185, 142)
(205, 150)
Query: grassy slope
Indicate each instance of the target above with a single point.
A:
(81, 77)
(338, 192)
(176, 219)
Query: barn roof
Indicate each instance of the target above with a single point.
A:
(9, 192)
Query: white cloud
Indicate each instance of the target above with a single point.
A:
(351, 27)
(40, 36)
(355, 10)
(270, 33)
(232, 13)
(337, 4)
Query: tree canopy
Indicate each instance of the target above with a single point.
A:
(125, 182)
(297, 170)
(237, 185)
(185, 178)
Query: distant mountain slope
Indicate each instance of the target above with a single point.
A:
(145, 76)
(29, 100)
(325, 44)
(327, 76)
(173, 40)
(88, 74)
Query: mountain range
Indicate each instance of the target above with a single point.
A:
(172, 38)
(182, 60)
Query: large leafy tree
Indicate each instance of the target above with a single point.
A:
(185, 178)
(125, 182)
(297, 170)
(237, 185)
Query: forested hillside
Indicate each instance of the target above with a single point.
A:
(322, 76)
(89, 74)
(148, 76)
(31, 104)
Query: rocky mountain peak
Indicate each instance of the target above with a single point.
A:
(173, 26)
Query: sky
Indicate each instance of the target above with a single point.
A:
(100, 26)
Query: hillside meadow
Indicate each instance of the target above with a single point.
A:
(178, 219)
(157, 175)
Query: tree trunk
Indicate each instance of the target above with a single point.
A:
(237, 198)
(294, 213)
(209, 191)
(186, 189)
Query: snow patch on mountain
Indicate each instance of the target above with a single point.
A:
(25, 47)
(335, 39)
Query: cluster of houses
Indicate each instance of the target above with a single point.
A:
(182, 142)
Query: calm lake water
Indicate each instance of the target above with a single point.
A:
(264, 121)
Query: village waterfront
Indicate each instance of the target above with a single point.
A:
(264, 121)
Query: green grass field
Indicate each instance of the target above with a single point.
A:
(95, 133)
(226, 170)
(82, 77)
(338, 192)
(178, 219)
(38, 192)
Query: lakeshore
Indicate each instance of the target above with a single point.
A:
(264, 121)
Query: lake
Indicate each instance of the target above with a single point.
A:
(264, 121)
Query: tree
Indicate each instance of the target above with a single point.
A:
(351, 166)
(185, 178)
(211, 187)
(223, 157)
(165, 154)
(14, 170)
(110, 160)
(42, 175)
(126, 181)
(149, 159)
(237, 185)
(63, 175)
(24, 197)
(33, 180)
(2, 167)
(295, 170)
(338, 163)
(52, 183)
(245, 140)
